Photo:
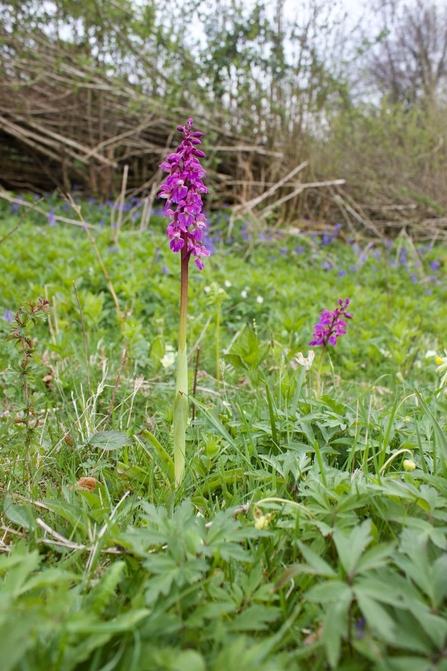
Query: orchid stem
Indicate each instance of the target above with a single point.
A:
(320, 368)
(218, 345)
(181, 387)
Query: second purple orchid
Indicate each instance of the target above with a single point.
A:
(182, 189)
(331, 325)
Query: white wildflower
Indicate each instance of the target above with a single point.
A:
(168, 359)
(227, 283)
(244, 294)
(259, 299)
(307, 363)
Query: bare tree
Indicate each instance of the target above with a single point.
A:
(409, 61)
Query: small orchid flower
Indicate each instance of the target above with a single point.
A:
(331, 325)
(306, 362)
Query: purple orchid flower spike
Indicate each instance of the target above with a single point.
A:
(182, 189)
(332, 325)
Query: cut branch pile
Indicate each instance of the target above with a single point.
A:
(67, 125)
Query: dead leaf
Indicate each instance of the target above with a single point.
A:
(88, 484)
(314, 636)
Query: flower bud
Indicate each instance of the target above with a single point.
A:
(409, 465)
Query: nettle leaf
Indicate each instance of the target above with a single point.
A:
(351, 547)
(109, 440)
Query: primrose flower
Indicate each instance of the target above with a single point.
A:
(182, 189)
(332, 325)
(262, 521)
(409, 465)
(168, 359)
(441, 362)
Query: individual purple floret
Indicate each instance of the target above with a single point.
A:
(332, 325)
(8, 316)
(182, 189)
(51, 217)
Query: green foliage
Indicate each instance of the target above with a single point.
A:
(297, 540)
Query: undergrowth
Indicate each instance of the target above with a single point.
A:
(310, 529)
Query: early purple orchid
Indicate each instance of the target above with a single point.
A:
(182, 188)
(331, 325)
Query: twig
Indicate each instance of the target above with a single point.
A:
(255, 201)
(31, 206)
(94, 549)
(310, 185)
(121, 202)
(51, 531)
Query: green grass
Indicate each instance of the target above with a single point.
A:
(297, 540)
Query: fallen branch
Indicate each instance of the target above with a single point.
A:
(5, 195)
